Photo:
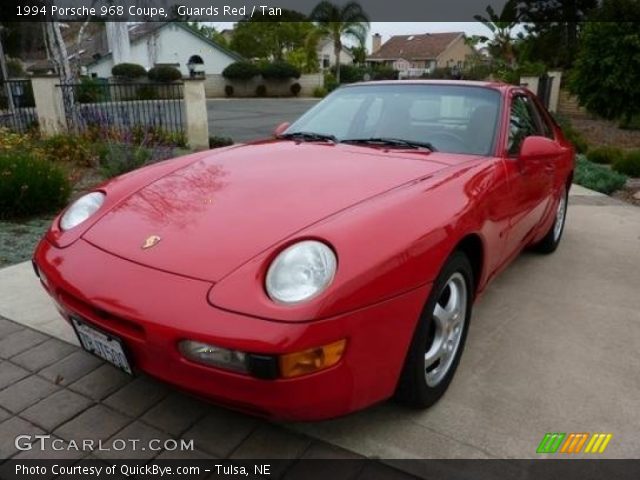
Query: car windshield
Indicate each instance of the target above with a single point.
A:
(447, 118)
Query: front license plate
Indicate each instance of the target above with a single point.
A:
(105, 346)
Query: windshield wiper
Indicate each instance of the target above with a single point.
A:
(308, 137)
(395, 142)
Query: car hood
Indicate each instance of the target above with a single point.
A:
(217, 213)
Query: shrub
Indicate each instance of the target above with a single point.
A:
(606, 155)
(228, 90)
(330, 82)
(91, 90)
(15, 68)
(279, 71)
(384, 73)
(119, 158)
(128, 71)
(571, 134)
(70, 148)
(164, 73)
(295, 89)
(350, 73)
(628, 164)
(261, 91)
(147, 92)
(217, 142)
(30, 186)
(597, 177)
(320, 92)
(241, 71)
(477, 72)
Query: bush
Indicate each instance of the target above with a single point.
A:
(228, 90)
(147, 92)
(295, 89)
(605, 155)
(119, 158)
(597, 177)
(66, 147)
(384, 73)
(330, 82)
(261, 91)
(15, 68)
(628, 164)
(30, 186)
(241, 71)
(320, 92)
(477, 72)
(128, 71)
(279, 71)
(571, 134)
(349, 73)
(91, 90)
(164, 73)
(217, 142)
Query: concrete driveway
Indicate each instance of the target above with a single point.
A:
(553, 347)
(245, 119)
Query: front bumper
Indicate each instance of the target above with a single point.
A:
(152, 310)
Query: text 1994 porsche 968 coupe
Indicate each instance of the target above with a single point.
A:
(324, 270)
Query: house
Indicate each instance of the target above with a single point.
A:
(151, 44)
(415, 55)
(327, 55)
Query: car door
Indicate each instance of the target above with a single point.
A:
(530, 182)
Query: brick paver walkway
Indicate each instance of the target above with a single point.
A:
(48, 386)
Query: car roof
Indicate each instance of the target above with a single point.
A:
(461, 83)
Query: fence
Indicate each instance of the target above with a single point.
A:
(121, 107)
(17, 107)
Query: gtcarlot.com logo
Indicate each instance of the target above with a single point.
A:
(574, 443)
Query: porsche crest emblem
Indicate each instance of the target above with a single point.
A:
(151, 241)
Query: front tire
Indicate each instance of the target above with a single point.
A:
(440, 336)
(551, 240)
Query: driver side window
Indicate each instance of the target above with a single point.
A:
(522, 123)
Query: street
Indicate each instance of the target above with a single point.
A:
(246, 119)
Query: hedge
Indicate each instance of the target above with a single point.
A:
(241, 71)
(279, 71)
(129, 71)
(164, 73)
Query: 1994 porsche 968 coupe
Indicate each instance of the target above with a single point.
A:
(326, 269)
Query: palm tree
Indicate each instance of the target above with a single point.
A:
(501, 26)
(336, 22)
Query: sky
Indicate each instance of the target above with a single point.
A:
(387, 29)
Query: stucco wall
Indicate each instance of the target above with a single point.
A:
(172, 45)
(214, 86)
(456, 52)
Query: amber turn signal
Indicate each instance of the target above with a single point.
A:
(311, 360)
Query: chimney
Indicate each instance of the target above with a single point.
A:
(118, 40)
(376, 42)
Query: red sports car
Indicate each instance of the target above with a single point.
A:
(327, 269)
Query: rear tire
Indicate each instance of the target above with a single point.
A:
(551, 240)
(440, 335)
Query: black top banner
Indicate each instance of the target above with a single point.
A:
(288, 10)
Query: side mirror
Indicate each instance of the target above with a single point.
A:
(538, 147)
(280, 129)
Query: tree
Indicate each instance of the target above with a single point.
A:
(501, 25)
(207, 31)
(336, 22)
(606, 71)
(261, 37)
(552, 29)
